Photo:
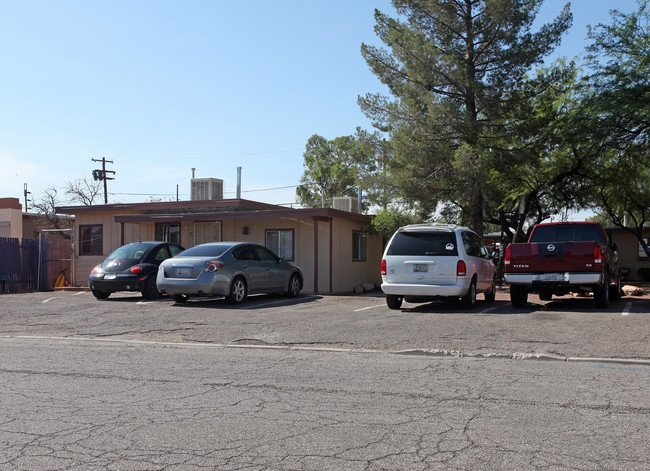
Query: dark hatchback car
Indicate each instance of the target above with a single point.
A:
(132, 267)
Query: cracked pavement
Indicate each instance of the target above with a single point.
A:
(313, 385)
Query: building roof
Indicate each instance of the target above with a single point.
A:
(208, 210)
(165, 206)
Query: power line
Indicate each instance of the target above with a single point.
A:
(226, 156)
(227, 192)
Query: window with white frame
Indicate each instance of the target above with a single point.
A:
(168, 232)
(280, 241)
(358, 246)
(91, 239)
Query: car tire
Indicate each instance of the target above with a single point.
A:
(180, 298)
(294, 286)
(101, 294)
(491, 295)
(469, 300)
(616, 291)
(518, 295)
(393, 301)
(238, 291)
(601, 294)
(150, 290)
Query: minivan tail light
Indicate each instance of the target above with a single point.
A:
(598, 255)
(461, 268)
(383, 267)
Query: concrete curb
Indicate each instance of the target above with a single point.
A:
(521, 356)
(314, 348)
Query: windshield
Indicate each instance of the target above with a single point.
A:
(130, 252)
(423, 243)
(206, 250)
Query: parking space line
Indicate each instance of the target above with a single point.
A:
(484, 311)
(368, 307)
(47, 300)
(626, 311)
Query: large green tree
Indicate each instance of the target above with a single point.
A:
(616, 102)
(339, 167)
(456, 70)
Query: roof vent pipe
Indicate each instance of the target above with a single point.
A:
(238, 183)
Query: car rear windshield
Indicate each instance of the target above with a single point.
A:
(211, 250)
(567, 233)
(423, 243)
(130, 252)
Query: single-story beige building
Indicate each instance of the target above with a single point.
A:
(630, 252)
(334, 248)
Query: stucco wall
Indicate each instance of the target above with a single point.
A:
(348, 273)
(112, 234)
(11, 222)
(628, 252)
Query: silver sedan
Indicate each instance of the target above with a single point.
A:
(230, 269)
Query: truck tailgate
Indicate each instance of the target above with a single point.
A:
(547, 257)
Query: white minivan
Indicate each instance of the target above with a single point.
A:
(426, 262)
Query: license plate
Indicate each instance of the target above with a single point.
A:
(553, 276)
(420, 268)
(110, 276)
(183, 271)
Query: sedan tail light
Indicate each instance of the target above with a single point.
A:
(461, 268)
(383, 267)
(136, 269)
(213, 266)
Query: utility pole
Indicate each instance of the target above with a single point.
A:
(26, 193)
(101, 175)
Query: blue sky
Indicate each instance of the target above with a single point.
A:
(161, 87)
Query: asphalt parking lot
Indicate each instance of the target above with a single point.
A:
(322, 382)
(566, 328)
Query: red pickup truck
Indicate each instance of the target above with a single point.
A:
(561, 258)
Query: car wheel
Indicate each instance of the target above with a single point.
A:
(101, 294)
(616, 291)
(491, 295)
(393, 301)
(150, 290)
(518, 295)
(601, 294)
(180, 298)
(237, 291)
(294, 286)
(469, 300)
